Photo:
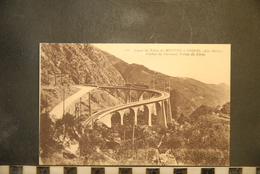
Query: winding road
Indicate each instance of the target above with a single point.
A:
(57, 112)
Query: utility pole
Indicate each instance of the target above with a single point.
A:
(77, 114)
(124, 136)
(164, 86)
(79, 78)
(61, 78)
(89, 101)
(47, 111)
(55, 78)
(169, 86)
(115, 94)
(130, 95)
(63, 99)
(48, 79)
(75, 109)
(80, 106)
(133, 139)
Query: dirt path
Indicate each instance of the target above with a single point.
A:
(57, 112)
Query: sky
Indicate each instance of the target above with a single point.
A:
(208, 63)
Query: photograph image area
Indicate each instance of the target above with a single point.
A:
(134, 104)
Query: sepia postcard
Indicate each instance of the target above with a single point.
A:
(134, 104)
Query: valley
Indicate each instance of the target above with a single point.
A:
(188, 127)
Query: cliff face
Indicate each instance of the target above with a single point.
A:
(77, 63)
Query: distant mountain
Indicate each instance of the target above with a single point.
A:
(82, 62)
(187, 94)
(86, 64)
(203, 110)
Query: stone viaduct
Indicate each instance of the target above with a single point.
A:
(150, 107)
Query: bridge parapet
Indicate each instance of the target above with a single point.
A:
(163, 98)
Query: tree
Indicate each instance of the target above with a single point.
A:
(47, 143)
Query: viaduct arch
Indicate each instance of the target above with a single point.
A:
(148, 111)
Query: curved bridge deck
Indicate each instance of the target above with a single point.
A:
(104, 112)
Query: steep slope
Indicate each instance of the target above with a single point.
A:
(77, 64)
(86, 64)
(187, 94)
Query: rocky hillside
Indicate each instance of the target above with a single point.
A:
(187, 94)
(86, 64)
(221, 111)
(77, 64)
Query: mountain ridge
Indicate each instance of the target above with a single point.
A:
(190, 92)
(87, 64)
